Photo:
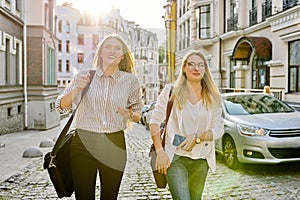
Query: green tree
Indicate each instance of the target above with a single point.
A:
(161, 53)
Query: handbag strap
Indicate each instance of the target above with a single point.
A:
(168, 112)
(67, 126)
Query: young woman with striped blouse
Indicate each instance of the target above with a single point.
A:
(113, 98)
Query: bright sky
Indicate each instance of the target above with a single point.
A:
(146, 13)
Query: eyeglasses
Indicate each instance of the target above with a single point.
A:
(193, 65)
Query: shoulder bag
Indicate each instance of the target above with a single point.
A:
(160, 179)
(57, 162)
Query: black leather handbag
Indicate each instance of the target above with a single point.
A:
(58, 165)
(57, 162)
(160, 179)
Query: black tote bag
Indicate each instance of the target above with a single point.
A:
(57, 162)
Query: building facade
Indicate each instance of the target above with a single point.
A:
(248, 44)
(80, 33)
(11, 66)
(28, 65)
(41, 64)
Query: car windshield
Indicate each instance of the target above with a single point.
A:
(254, 104)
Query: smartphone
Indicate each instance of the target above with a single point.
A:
(178, 139)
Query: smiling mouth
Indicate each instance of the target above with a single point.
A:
(111, 57)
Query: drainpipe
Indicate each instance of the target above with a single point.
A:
(25, 67)
(220, 61)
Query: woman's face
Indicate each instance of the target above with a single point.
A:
(194, 68)
(111, 52)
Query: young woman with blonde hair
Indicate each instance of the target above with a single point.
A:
(113, 98)
(194, 123)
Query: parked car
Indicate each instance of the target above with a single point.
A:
(147, 115)
(258, 128)
(145, 107)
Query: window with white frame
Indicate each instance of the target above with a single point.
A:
(68, 46)
(60, 26)
(18, 64)
(68, 27)
(51, 67)
(80, 39)
(46, 17)
(59, 45)
(7, 62)
(59, 65)
(19, 5)
(294, 66)
(80, 58)
(67, 65)
(204, 21)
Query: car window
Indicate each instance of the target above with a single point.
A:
(255, 104)
(235, 108)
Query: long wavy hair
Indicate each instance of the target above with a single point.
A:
(209, 93)
(126, 64)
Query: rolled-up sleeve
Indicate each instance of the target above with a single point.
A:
(135, 96)
(217, 123)
(159, 113)
(76, 100)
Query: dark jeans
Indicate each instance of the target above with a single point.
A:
(85, 166)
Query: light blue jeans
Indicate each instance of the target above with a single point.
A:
(186, 178)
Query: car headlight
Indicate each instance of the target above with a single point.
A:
(251, 130)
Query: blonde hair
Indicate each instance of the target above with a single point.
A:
(126, 64)
(210, 92)
(267, 89)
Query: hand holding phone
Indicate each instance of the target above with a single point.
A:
(178, 139)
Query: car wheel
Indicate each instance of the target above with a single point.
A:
(230, 153)
(147, 126)
(142, 121)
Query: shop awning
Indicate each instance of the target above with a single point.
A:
(261, 46)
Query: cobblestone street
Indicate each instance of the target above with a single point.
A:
(248, 182)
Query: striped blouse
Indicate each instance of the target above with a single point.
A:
(97, 111)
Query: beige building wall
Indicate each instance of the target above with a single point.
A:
(11, 67)
(278, 21)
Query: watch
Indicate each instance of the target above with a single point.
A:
(197, 139)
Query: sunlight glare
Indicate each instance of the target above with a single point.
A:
(93, 7)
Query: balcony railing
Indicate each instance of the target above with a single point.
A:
(266, 9)
(253, 16)
(289, 4)
(232, 23)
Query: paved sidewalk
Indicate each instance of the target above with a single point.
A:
(11, 156)
(25, 178)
